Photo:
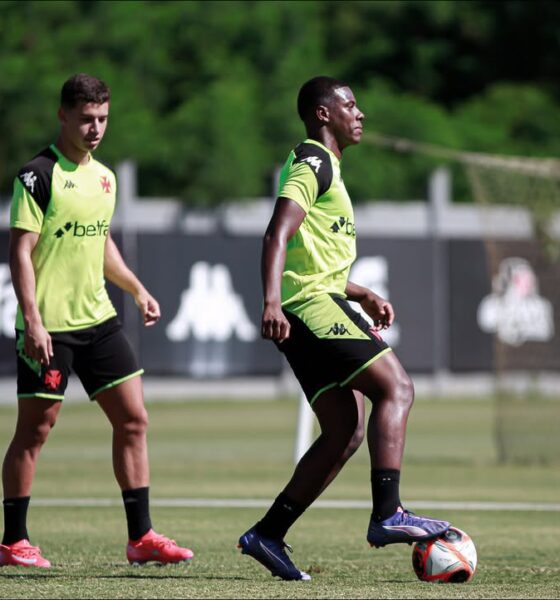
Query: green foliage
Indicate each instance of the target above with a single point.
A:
(204, 91)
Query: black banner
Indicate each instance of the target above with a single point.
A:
(401, 271)
(210, 294)
(505, 306)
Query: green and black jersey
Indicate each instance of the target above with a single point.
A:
(319, 255)
(70, 206)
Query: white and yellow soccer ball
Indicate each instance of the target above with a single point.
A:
(449, 558)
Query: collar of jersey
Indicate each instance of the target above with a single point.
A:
(310, 141)
(66, 163)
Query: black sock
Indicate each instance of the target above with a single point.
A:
(280, 517)
(137, 507)
(15, 519)
(385, 492)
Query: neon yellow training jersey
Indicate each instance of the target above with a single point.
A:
(319, 255)
(70, 206)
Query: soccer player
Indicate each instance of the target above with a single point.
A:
(338, 358)
(61, 252)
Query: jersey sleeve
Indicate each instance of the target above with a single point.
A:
(300, 185)
(25, 213)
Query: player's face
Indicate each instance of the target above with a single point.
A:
(345, 117)
(84, 125)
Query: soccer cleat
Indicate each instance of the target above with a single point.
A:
(272, 555)
(153, 547)
(404, 527)
(22, 554)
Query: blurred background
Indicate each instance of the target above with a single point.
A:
(455, 183)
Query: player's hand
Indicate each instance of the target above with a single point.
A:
(379, 309)
(274, 325)
(38, 343)
(149, 308)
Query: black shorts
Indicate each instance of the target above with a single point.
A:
(101, 357)
(329, 344)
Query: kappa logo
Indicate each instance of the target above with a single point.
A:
(105, 184)
(69, 184)
(29, 180)
(338, 329)
(314, 162)
(210, 309)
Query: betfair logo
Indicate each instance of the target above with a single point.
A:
(101, 228)
(344, 225)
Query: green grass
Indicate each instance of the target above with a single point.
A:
(234, 449)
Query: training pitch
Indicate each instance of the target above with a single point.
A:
(216, 465)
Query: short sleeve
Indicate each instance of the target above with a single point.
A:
(25, 213)
(300, 185)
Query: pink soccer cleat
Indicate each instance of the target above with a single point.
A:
(22, 554)
(153, 547)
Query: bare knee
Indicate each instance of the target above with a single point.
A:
(133, 426)
(33, 437)
(404, 392)
(356, 440)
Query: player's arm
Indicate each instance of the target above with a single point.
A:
(285, 221)
(379, 309)
(37, 341)
(116, 271)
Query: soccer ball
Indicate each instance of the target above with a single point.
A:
(449, 558)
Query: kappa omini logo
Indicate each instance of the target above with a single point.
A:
(29, 180)
(105, 184)
(515, 311)
(314, 162)
(210, 309)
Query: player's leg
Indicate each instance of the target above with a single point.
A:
(109, 372)
(340, 413)
(391, 391)
(36, 418)
(40, 390)
(124, 406)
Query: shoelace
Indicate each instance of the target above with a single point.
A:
(28, 551)
(163, 541)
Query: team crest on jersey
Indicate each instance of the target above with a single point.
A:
(314, 162)
(29, 180)
(105, 184)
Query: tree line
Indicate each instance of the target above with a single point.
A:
(204, 91)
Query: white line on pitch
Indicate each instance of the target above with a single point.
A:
(255, 503)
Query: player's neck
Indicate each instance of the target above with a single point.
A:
(71, 152)
(326, 137)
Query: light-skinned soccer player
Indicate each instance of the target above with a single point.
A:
(61, 253)
(338, 358)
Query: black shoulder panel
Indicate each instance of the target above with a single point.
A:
(36, 177)
(319, 161)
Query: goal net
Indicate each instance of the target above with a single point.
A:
(522, 312)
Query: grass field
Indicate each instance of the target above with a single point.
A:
(243, 450)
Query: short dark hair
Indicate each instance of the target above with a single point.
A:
(83, 88)
(314, 92)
